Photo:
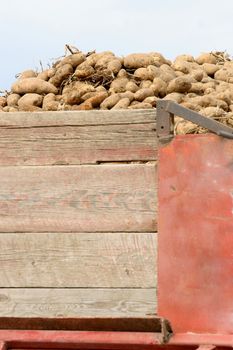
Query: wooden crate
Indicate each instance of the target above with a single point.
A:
(78, 214)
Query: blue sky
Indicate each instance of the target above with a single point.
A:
(37, 30)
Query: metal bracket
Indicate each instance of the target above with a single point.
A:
(165, 121)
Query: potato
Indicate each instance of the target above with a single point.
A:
(30, 102)
(206, 58)
(33, 85)
(118, 85)
(128, 94)
(50, 103)
(159, 87)
(167, 69)
(159, 59)
(197, 74)
(103, 61)
(101, 88)
(209, 91)
(151, 100)
(131, 86)
(96, 100)
(154, 72)
(141, 94)
(61, 74)
(141, 105)
(179, 74)
(12, 100)
(51, 106)
(180, 84)
(74, 60)
(213, 112)
(145, 84)
(110, 101)
(182, 66)
(174, 96)
(46, 74)
(189, 95)
(148, 73)
(143, 74)
(135, 81)
(214, 101)
(73, 85)
(206, 100)
(94, 57)
(3, 101)
(210, 84)
(85, 106)
(13, 109)
(221, 104)
(88, 95)
(224, 74)
(195, 66)
(186, 58)
(190, 105)
(223, 86)
(210, 68)
(197, 88)
(183, 127)
(43, 75)
(122, 73)
(27, 74)
(73, 96)
(114, 66)
(10, 109)
(200, 101)
(225, 96)
(138, 60)
(230, 119)
(167, 77)
(123, 103)
(166, 73)
(84, 72)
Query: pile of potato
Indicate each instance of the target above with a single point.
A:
(105, 81)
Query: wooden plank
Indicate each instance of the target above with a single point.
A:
(48, 303)
(85, 323)
(99, 198)
(78, 260)
(95, 117)
(82, 137)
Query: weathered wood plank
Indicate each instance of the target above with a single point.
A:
(82, 137)
(78, 198)
(95, 117)
(48, 303)
(78, 260)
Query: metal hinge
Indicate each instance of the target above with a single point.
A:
(165, 111)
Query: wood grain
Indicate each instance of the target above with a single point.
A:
(78, 260)
(82, 137)
(77, 302)
(78, 198)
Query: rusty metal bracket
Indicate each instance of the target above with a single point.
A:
(165, 121)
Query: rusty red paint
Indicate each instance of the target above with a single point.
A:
(14, 339)
(78, 340)
(204, 340)
(196, 234)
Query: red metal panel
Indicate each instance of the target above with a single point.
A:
(196, 234)
(78, 340)
(14, 339)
